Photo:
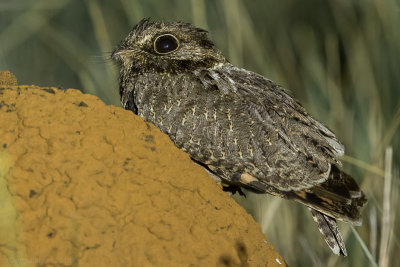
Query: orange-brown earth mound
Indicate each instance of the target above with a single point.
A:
(82, 183)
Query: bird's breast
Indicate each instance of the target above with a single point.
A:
(210, 126)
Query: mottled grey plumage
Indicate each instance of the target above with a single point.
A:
(242, 127)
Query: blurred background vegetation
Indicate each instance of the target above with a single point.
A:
(341, 58)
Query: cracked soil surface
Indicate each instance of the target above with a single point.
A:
(83, 183)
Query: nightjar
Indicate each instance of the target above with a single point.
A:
(242, 127)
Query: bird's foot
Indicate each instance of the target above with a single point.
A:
(233, 189)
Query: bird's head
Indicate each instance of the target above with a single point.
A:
(166, 47)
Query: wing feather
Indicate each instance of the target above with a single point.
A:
(295, 151)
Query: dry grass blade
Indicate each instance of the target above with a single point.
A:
(393, 239)
(373, 234)
(364, 247)
(363, 165)
(393, 129)
(384, 244)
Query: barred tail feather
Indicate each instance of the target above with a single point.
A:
(328, 228)
(338, 197)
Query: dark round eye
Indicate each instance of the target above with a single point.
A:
(165, 44)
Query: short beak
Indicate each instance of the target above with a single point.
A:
(116, 55)
(121, 53)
